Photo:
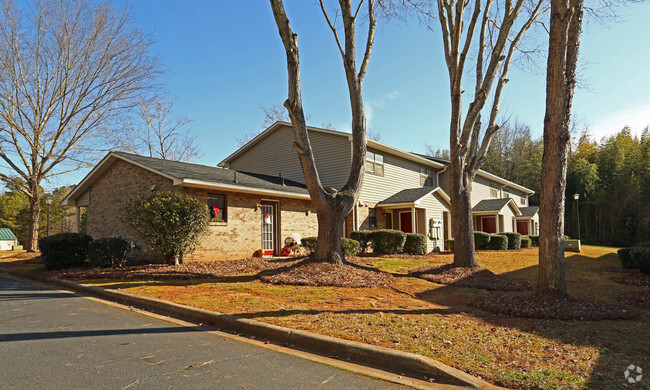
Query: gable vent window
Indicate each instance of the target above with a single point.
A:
(375, 163)
(217, 207)
(493, 191)
(426, 176)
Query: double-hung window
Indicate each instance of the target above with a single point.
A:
(217, 207)
(375, 163)
(426, 176)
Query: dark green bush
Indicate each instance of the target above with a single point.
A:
(643, 245)
(534, 240)
(498, 242)
(481, 240)
(387, 241)
(450, 244)
(309, 243)
(415, 244)
(64, 250)
(363, 237)
(350, 247)
(625, 256)
(108, 252)
(514, 240)
(642, 258)
(526, 242)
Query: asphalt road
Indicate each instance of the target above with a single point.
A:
(57, 340)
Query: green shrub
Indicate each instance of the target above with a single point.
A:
(350, 247)
(625, 256)
(534, 240)
(526, 242)
(170, 222)
(309, 243)
(498, 242)
(481, 240)
(642, 258)
(643, 245)
(64, 250)
(514, 240)
(108, 252)
(415, 244)
(387, 241)
(363, 237)
(450, 244)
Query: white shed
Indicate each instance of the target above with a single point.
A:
(7, 239)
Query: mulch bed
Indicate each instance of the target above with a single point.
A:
(633, 277)
(636, 298)
(190, 270)
(470, 277)
(327, 274)
(551, 307)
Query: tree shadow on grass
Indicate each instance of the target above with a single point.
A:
(619, 342)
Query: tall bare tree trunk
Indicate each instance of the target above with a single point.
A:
(564, 41)
(332, 205)
(461, 213)
(34, 217)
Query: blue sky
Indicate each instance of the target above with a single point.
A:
(224, 60)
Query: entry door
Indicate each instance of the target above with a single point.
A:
(269, 227)
(489, 224)
(406, 222)
(522, 227)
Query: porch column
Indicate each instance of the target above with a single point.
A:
(77, 219)
(413, 224)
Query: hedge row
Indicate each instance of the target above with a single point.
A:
(499, 241)
(384, 241)
(349, 246)
(635, 257)
(66, 250)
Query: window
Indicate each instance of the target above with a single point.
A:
(389, 221)
(375, 163)
(426, 176)
(493, 191)
(523, 201)
(217, 207)
(372, 217)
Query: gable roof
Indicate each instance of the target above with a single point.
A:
(372, 144)
(7, 234)
(529, 211)
(496, 205)
(195, 175)
(413, 195)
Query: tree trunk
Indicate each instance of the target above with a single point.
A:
(461, 212)
(34, 217)
(330, 231)
(564, 39)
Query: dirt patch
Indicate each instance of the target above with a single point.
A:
(633, 277)
(470, 277)
(637, 298)
(191, 270)
(533, 305)
(326, 274)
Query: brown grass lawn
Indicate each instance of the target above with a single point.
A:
(434, 320)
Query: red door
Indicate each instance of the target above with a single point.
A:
(522, 227)
(489, 224)
(406, 222)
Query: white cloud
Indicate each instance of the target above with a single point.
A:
(378, 103)
(637, 118)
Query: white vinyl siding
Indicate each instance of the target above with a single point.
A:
(399, 174)
(275, 155)
(508, 215)
(434, 205)
(481, 189)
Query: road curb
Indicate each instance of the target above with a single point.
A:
(360, 353)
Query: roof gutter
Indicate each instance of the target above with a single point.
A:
(248, 190)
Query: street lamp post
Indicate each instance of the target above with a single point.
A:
(48, 200)
(576, 197)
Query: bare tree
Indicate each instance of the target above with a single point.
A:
(155, 132)
(500, 27)
(564, 42)
(67, 68)
(332, 205)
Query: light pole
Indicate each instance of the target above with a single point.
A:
(576, 197)
(48, 200)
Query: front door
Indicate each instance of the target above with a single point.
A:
(406, 222)
(522, 227)
(269, 227)
(489, 224)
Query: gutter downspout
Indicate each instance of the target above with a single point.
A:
(438, 176)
